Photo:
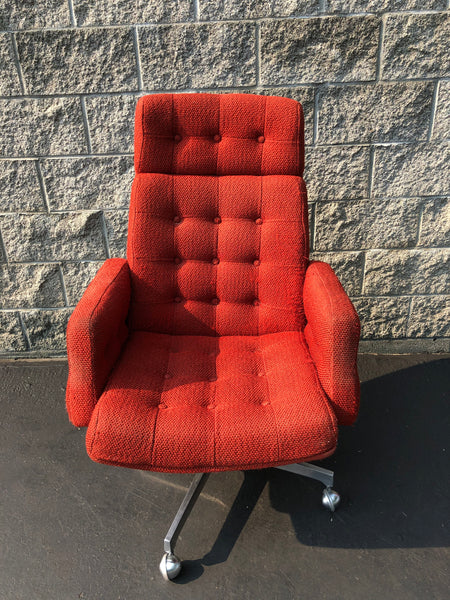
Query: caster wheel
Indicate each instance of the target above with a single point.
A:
(170, 566)
(330, 499)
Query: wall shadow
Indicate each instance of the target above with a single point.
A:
(391, 469)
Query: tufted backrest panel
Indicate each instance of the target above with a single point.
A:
(218, 229)
(217, 255)
(219, 134)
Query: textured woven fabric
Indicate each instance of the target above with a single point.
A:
(218, 134)
(227, 254)
(332, 334)
(96, 333)
(198, 403)
(216, 345)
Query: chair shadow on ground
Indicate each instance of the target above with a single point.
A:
(391, 470)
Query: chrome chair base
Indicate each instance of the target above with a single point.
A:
(170, 565)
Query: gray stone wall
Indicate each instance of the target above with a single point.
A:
(374, 80)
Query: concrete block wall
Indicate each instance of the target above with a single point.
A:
(374, 80)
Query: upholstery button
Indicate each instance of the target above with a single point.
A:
(177, 299)
(256, 263)
(258, 221)
(215, 301)
(211, 407)
(217, 137)
(256, 302)
(167, 376)
(264, 403)
(261, 374)
(177, 260)
(261, 139)
(177, 219)
(215, 261)
(177, 138)
(211, 379)
(217, 220)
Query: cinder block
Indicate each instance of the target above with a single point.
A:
(78, 60)
(88, 183)
(41, 127)
(415, 46)
(30, 286)
(200, 55)
(318, 50)
(53, 237)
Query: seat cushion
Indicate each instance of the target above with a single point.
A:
(200, 403)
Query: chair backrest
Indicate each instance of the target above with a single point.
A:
(218, 229)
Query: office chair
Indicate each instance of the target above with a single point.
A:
(216, 344)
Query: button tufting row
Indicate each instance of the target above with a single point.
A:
(162, 405)
(216, 220)
(214, 301)
(218, 138)
(215, 261)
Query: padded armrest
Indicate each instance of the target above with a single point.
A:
(332, 333)
(96, 333)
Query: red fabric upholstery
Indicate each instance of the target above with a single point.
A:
(95, 335)
(202, 403)
(218, 134)
(227, 255)
(214, 346)
(332, 333)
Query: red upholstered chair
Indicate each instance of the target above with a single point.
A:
(217, 344)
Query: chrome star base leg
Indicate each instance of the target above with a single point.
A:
(170, 565)
(330, 498)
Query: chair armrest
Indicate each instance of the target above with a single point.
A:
(332, 334)
(96, 333)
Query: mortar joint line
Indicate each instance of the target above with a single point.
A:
(312, 227)
(196, 4)
(408, 316)
(419, 225)
(17, 64)
(379, 64)
(42, 185)
(297, 85)
(105, 235)
(363, 273)
(3, 249)
(434, 103)
(371, 171)
(258, 53)
(36, 309)
(24, 330)
(63, 285)
(73, 19)
(137, 53)
(87, 131)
